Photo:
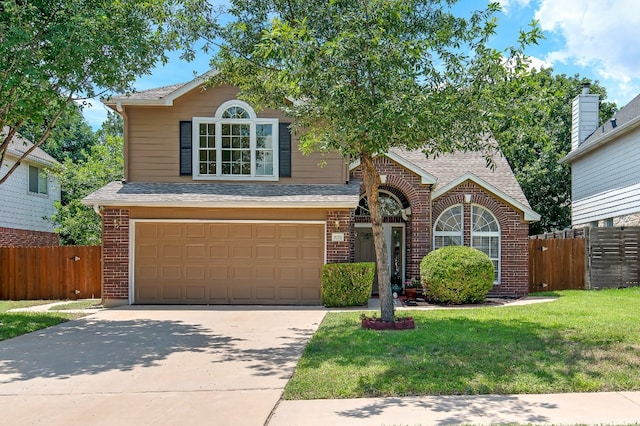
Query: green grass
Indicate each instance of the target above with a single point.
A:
(80, 304)
(586, 341)
(5, 305)
(13, 324)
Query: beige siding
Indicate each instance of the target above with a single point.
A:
(227, 214)
(153, 132)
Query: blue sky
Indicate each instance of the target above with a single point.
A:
(596, 39)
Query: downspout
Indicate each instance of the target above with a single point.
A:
(125, 146)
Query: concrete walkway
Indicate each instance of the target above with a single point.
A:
(155, 366)
(611, 408)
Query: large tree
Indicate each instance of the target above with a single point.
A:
(55, 52)
(535, 133)
(363, 76)
(89, 170)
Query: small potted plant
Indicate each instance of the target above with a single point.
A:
(410, 288)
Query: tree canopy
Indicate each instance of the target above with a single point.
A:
(361, 77)
(535, 133)
(55, 52)
(88, 170)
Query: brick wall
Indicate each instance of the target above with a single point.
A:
(514, 261)
(344, 251)
(11, 237)
(115, 255)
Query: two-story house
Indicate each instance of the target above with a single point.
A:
(605, 160)
(27, 197)
(218, 206)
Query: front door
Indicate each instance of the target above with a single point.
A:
(365, 250)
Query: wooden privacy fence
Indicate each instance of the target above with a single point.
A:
(63, 272)
(590, 258)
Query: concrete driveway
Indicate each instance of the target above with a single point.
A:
(155, 365)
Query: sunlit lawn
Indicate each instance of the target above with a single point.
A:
(583, 342)
(14, 324)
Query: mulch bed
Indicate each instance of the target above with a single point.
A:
(422, 303)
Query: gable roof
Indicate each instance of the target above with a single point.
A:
(627, 118)
(450, 170)
(160, 96)
(19, 145)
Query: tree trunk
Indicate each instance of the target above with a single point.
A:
(371, 180)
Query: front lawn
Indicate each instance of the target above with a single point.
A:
(586, 341)
(14, 324)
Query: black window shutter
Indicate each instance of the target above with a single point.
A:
(284, 153)
(185, 148)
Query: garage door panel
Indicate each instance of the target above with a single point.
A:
(194, 293)
(220, 263)
(196, 230)
(288, 293)
(171, 231)
(312, 253)
(242, 252)
(196, 251)
(265, 252)
(171, 292)
(195, 272)
(288, 252)
(171, 251)
(170, 272)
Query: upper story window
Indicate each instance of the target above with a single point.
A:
(38, 182)
(235, 145)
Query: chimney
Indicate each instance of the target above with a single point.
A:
(584, 116)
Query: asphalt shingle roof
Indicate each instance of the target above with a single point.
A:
(447, 168)
(151, 94)
(221, 194)
(19, 145)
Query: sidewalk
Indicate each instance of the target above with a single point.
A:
(611, 408)
(48, 306)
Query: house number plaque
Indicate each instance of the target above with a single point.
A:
(337, 237)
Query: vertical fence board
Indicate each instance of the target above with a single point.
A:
(28, 273)
(556, 264)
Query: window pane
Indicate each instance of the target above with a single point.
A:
(264, 137)
(33, 179)
(226, 142)
(235, 112)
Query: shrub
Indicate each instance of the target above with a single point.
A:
(347, 284)
(456, 275)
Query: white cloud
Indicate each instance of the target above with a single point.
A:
(538, 64)
(601, 34)
(506, 4)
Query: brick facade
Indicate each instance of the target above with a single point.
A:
(340, 222)
(419, 225)
(11, 237)
(115, 256)
(514, 235)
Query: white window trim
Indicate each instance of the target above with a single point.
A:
(476, 233)
(449, 233)
(218, 120)
(497, 234)
(44, 178)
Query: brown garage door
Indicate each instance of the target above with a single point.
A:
(220, 263)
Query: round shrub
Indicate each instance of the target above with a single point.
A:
(456, 275)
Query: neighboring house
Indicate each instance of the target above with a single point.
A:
(218, 206)
(605, 164)
(27, 197)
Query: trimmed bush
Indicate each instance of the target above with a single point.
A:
(347, 284)
(456, 275)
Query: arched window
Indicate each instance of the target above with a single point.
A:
(448, 230)
(390, 206)
(485, 232)
(485, 236)
(235, 144)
